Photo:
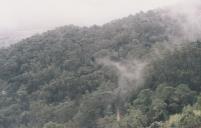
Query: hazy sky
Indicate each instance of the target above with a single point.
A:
(43, 14)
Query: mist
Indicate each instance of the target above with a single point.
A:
(26, 18)
(28, 14)
(142, 69)
(188, 16)
(131, 72)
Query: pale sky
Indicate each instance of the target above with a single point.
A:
(45, 14)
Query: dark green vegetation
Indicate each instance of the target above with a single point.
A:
(53, 80)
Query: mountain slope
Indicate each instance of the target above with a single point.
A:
(56, 79)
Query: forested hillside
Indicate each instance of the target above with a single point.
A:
(137, 72)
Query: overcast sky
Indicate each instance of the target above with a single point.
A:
(45, 14)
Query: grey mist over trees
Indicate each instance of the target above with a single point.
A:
(188, 16)
(24, 18)
(141, 71)
(130, 74)
(188, 29)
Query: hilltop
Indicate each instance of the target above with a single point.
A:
(58, 79)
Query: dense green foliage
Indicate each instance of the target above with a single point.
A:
(53, 80)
